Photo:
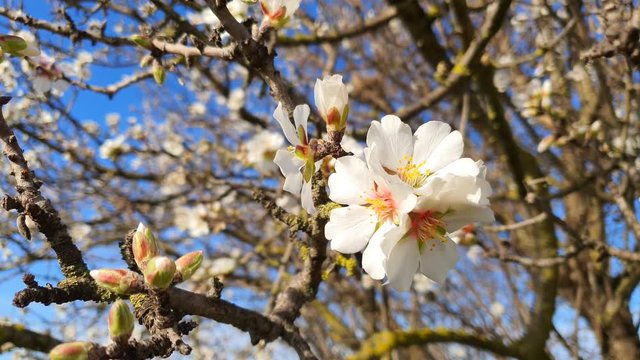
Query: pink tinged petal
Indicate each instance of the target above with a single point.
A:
(438, 258)
(403, 195)
(307, 198)
(393, 139)
(458, 218)
(447, 151)
(373, 257)
(350, 228)
(402, 263)
(351, 182)
(427, 138)
(300, 117)
(287, 127)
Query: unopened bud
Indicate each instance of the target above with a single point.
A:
(332, 100)
(71, 351)
(159, 73)
(159, 272)
(189, 263)
(16, 45)
(144, 246)
(142, 41)
(119, 281)
(120, 321)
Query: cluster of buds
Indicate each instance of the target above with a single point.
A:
(17, 46)
(159, 272)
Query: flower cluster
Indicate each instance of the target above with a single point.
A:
(277, 13)
(403, 196)
(159, 272)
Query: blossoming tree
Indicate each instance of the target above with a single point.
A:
(284, 178)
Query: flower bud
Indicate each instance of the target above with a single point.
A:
(159, 73)
(144, 246)
(278, 12)
(332, 101)
(159, 272)
(120, 321)
(71, 351)
(142, 41)
(17, 46)
(119, 281)
(189, 263)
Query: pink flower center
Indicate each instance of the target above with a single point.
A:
(426, 226)
(383, 204)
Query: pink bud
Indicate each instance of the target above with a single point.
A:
(119, 281)
(159, 272)
(189, 263)
(120, 321)
(144, 246)
(71, 351)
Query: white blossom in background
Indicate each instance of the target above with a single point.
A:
(239, 9)
(236, 100)
(421, 242)
(423, 284)
(374, 206)
(475, 254)
(332, 100)
(538, 96)
(278, 12)
(79, 231)
(113, 119)
(496, 309)
(222, 266)
(173, 145)
(261, 150)
(47, 77)
(193, 220)
(297, 162)
(114, 147)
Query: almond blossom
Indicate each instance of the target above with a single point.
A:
(433, 149)
(421, 241)
(297, 162)
(332, 100)
(278, 12)
(374, 205)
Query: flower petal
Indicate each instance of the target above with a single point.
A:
(373, 257)
(438, 258)
(307, 198)
(447, 151)
(427, 138)
(393, 139)
(350, 228)
(300, 117)
(402, 263)
(287, 127)
(467, 215)
(351, 182)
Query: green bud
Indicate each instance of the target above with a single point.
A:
(119, 281)
(159, 272)
(71, 351)
(142, 41)
(17, 46)
(159, 73)
(120, 321)
(144, 246)
(189, 263)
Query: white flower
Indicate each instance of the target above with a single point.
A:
(375, 205)
(237, 8)
(222, 266)
(79, 231)
(475, 254)
(113, 148)
(48, 77)
(423, 284)
(332, 101)
(433, 150)
(278, 12)
(420, 243)
(262, 148)
(297, 157)
(236, 100)
(192, 219)
(496, 309)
